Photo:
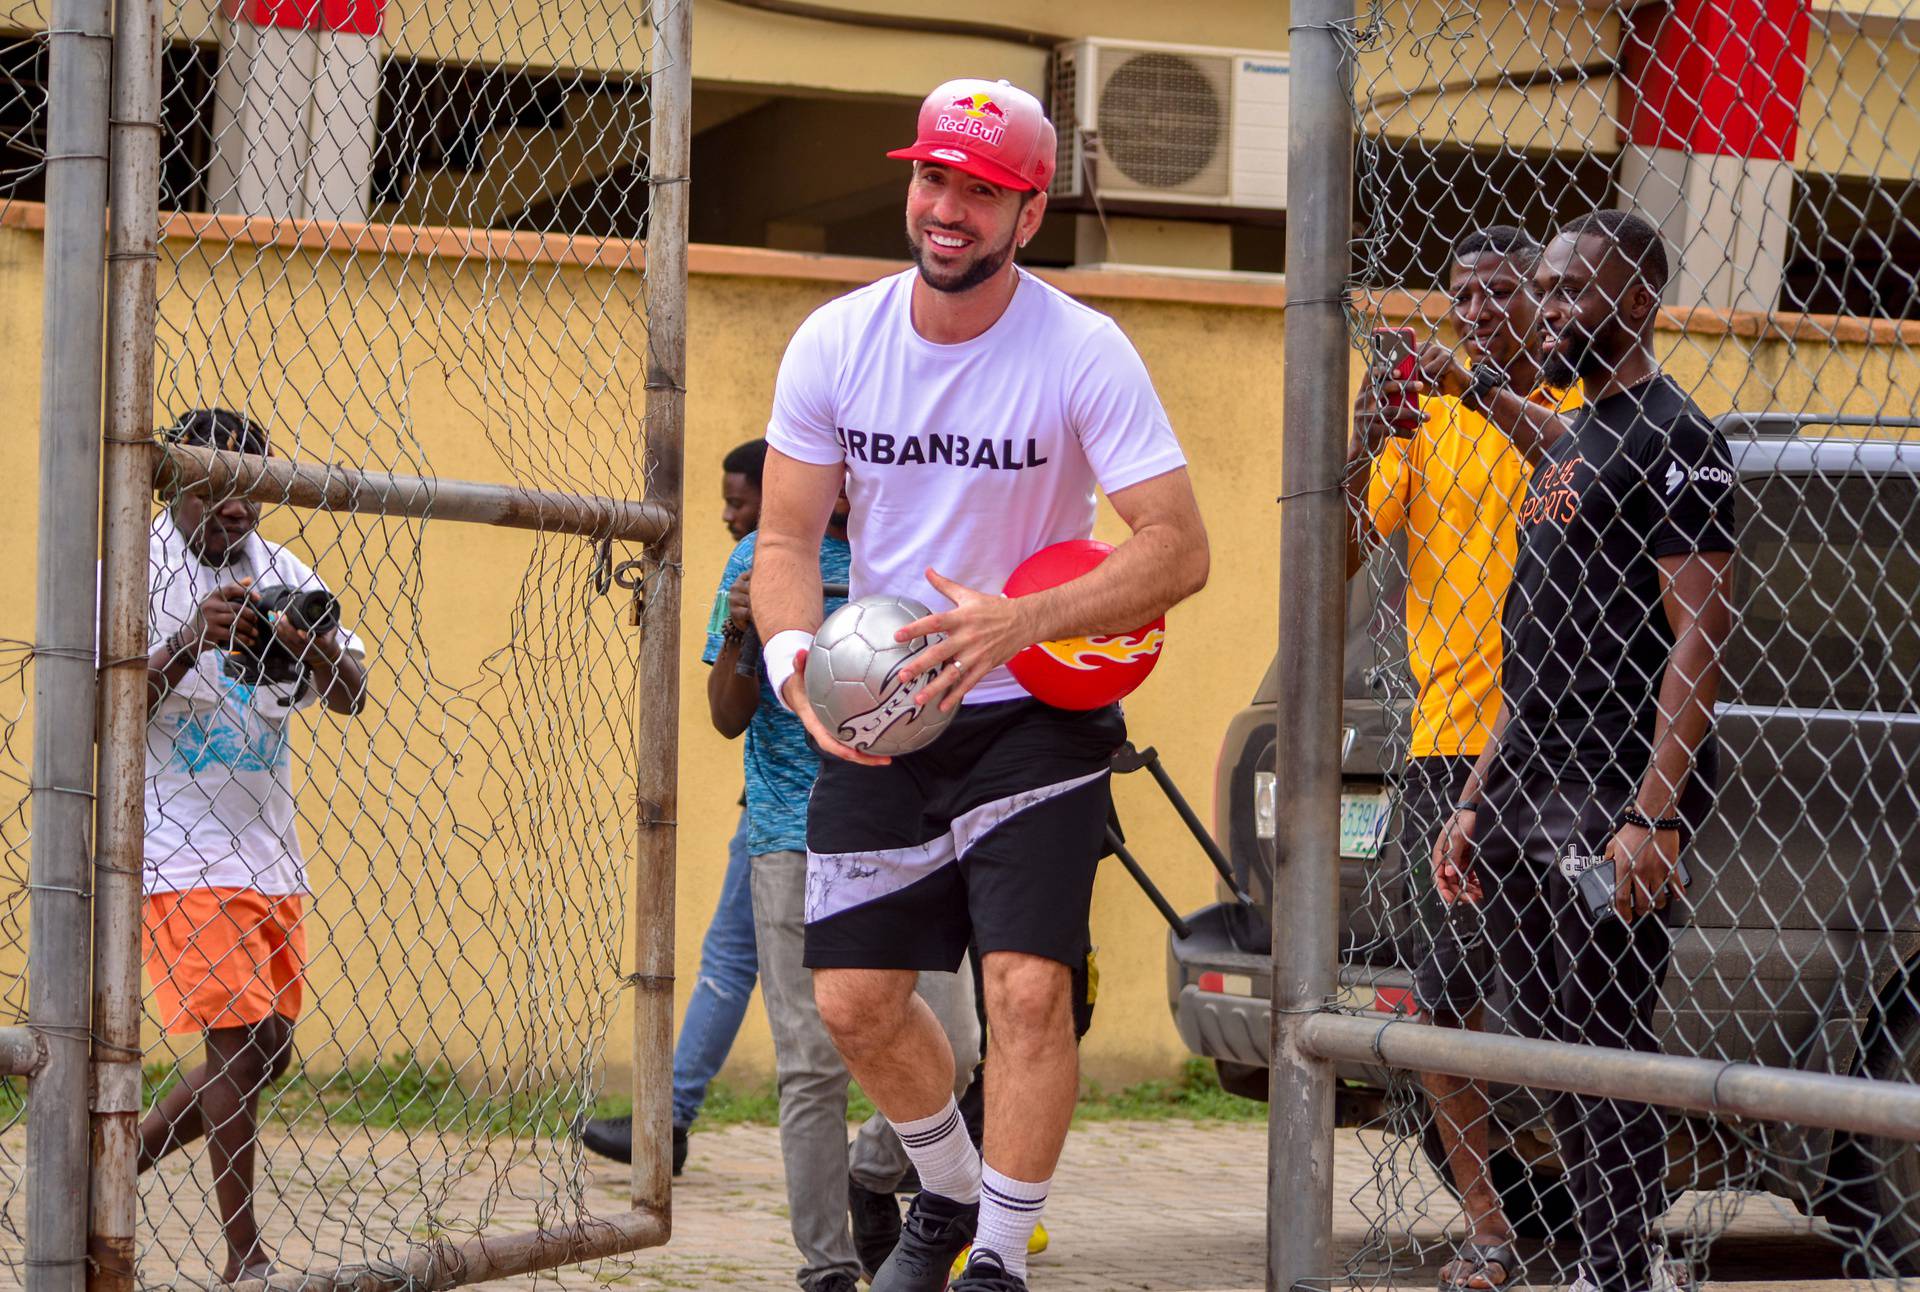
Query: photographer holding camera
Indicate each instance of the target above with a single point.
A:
(243, 634)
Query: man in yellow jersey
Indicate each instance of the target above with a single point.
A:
(1443, 457)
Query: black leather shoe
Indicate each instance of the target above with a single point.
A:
(876, 1226)
(936, 1230)
(612, 1138)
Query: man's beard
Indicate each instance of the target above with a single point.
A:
(1586, 356)
(989, 264)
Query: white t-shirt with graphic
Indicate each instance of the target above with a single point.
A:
(220, 807)
(967, 458)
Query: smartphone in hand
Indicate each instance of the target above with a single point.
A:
(1393, 358)
(1593, 876)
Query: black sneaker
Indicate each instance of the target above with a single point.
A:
(985, 1273)
(612, 1138)
(876, 1226)
(833, 1283)
(937, 1229)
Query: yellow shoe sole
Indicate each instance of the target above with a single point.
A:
(1036, 1244)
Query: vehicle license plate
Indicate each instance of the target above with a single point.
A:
(1363, 819)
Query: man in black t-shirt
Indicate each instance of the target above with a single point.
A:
(1601, 759)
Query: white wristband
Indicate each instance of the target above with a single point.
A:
(779, 655)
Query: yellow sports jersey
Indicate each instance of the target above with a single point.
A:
(1454, 485)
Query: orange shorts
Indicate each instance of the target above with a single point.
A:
(224, 957)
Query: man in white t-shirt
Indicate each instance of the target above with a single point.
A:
(972, 411)
(224, 876)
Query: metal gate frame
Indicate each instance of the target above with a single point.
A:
(80, 1049)
(1306, 1036)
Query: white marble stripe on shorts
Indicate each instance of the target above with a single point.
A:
(970, 827)
(840, 881)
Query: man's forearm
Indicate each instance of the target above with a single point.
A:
(786, 587)
(1360, 532)
(731, 698)
(1476, 782)
(1154, 570)
(167, 666)
(1531, 426)
(337, 679)
(1688, 690)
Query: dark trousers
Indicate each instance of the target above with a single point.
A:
(1588, 979)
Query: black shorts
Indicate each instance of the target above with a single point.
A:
(992, 833)
(1456, 968)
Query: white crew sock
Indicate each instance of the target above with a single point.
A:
(1009, 1209)
(946, 1159)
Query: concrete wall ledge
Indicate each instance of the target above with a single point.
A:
(1249, 291)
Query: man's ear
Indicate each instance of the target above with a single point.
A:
(1031, 212)
(1642, 303)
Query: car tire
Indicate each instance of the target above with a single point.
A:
(1874, 1195)
(1537, 1202)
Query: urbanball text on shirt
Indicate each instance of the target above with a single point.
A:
(984, 454)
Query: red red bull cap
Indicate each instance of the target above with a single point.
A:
(991, 129)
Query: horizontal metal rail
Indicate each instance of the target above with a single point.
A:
(446, 1264)
(21, 1053)
(381, 493)
(1859, 1104)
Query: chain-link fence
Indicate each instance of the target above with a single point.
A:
(1632, 505)
(409, 314)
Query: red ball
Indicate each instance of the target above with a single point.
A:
(1080, 672)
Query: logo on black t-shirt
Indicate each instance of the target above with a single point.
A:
(981, 454)
(1553, 494)
(1712, 475)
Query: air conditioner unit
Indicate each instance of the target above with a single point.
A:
(1170, 123)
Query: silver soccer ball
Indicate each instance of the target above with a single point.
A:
(853, 678)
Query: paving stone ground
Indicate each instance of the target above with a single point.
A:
(1154, 1205)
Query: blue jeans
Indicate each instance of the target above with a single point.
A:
(729, 962)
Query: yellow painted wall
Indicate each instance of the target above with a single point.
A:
(464, 905)
(1857, 116)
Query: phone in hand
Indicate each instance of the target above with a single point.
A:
(1594, 876)
(1393, 357)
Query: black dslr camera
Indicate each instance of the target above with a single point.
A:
(269, 661)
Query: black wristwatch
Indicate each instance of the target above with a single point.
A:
(1488, 378)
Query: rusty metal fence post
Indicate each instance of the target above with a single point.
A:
(657, 787)
(63, 695)
(126, 503)
(1306, 880)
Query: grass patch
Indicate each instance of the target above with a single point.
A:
(399, 1093)
(404, 1093)
(1194, 1095)
(741, 1106)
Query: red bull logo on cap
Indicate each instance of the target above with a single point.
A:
(974, 116)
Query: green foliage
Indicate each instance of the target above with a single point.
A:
(405, 1093)
(402, 1092)
(1193, 1096)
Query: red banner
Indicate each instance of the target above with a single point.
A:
(1716, 76)
(350, 17)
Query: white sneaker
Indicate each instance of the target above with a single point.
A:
(1670, 1274)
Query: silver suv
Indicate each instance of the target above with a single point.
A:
(1803, 948)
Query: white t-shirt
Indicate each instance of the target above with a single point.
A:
(220, 808)
(968, 458)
